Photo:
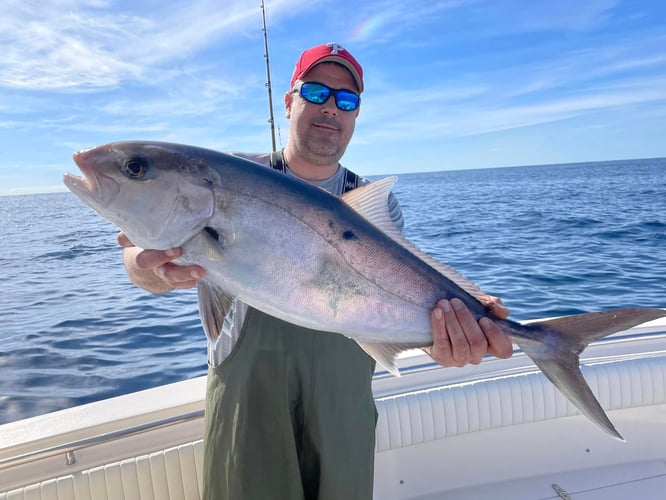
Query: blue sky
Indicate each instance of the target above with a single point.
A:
(449, 84)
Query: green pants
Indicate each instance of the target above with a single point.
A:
(289, 416)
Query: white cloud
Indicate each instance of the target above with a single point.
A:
(82, 43)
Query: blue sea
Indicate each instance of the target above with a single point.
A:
(549, 240)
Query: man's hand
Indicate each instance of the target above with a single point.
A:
(458, 339)
(154, 271)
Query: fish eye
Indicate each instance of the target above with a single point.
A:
(135, 168)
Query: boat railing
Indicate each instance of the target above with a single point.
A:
(69, 449)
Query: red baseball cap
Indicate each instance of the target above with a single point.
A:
(328, 52)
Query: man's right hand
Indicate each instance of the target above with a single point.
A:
(154, 271)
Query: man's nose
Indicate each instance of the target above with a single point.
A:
(329, 107)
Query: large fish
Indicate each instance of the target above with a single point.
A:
(294, 251)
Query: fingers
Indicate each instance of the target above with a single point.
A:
(124, 241)
(150, 259)
(179, 276)
(441, 350)
(458, 339)
(495, 306)
(154, 270)
(499, 345)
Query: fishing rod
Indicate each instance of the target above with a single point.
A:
(271, 120)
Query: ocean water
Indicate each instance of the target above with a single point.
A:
(549, 240)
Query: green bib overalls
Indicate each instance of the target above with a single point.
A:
(289, 416)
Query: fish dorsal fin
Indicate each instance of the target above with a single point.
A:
(371, 201)
(462, 281)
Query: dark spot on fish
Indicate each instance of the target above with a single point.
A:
(331, 224)
(349, 235)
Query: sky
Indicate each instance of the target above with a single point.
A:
(450, 85)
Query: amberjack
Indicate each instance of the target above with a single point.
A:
(296, 252)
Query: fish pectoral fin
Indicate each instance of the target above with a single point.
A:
(386, 354)
(211, 241)
(214, 306)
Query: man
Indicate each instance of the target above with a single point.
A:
(289, 411)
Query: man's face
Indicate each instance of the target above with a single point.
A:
(320, 132)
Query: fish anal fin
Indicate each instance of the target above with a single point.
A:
(214, 305)
(387, 354)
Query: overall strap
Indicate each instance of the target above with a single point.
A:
(351, 181)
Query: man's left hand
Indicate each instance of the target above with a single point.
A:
(458, 339)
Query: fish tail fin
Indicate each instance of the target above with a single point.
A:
(573, 334)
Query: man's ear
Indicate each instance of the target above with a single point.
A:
(288, 99)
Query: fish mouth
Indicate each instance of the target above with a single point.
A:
(92, 185)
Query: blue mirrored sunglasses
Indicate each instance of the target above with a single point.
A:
(318, 93)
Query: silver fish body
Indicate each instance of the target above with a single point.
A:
(292, 250)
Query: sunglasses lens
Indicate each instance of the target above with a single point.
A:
(318, 93)
(315, 93)
(346, 101)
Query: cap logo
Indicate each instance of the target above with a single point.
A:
(335, 47)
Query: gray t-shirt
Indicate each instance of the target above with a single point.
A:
(233, 322)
